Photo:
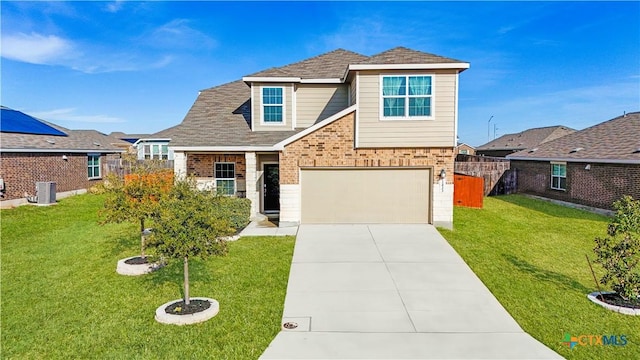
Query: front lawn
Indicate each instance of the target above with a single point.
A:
(531, 255)
(61, 296)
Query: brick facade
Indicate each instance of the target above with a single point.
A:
(333, 145)
(202, 165)
(21, 171)
(599, 186)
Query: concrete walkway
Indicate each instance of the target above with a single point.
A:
(391, 292)
(266, 228)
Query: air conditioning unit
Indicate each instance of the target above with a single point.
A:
(46, 191)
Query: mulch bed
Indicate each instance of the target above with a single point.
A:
(617, 300)
(138, 260)
(195, 306)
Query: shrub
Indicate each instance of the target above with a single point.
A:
(235, 210)
(619, 252)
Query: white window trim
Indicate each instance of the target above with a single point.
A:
(406, 117)
(552, 176)
(284, 106)
(215, 179)
(99, 166)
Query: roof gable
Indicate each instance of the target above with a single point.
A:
(403, 55)
(329, 65)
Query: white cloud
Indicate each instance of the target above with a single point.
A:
(114, 7)
(69, 115)
(179, 34)
(36, 48)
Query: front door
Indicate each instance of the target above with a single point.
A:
(271, 189)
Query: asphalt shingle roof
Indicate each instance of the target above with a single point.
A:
(617, 139)
(221, 116)
(527, 139)
(403, 55)
(331, 65)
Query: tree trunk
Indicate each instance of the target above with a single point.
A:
(186, 280)
(142, 237)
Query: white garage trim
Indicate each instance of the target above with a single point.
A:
(366, 195)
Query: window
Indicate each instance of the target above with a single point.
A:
(225, 174)
(155, 151)
(464, 152)
(406, 97)
(93, 168)
(272, 105)
(559, 176)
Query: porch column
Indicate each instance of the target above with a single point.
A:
(180, 165)
(252, 187)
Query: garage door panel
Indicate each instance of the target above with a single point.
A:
(365, 195)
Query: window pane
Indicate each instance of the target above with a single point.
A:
(563, 170)
(225, 187)
(563, 183)
(225, 171)
(273, 113)
(165, 149)
(393, 106)
(420, 85)
(420, 106)
(394, 85)
(555, 170)
(272, 96)
(89, 172)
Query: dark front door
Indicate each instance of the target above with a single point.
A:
(271, 191)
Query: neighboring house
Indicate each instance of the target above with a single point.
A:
(528, 139)
(130, 138)
(337, 138)
(33, 150)
(155, 146)
(465, 149)
(594, 167)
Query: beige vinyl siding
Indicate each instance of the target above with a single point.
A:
(352, 90)
(436, 132)
(315, 102)
(256, 107)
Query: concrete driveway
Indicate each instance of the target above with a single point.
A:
(391, 292)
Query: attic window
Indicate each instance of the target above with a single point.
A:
(575, 150)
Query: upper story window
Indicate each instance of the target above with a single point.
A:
(558, 176)
(93, 166)
(155, 151)
(406, 97)
(273, 105)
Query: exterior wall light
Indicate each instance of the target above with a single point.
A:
(443, 173)
(65, 158)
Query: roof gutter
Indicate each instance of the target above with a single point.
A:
(238, 149)
(462, 66)
(604, 161)
(75, 151)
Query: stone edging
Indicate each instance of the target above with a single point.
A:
(173, 319)
(619, 309)
(136, 269)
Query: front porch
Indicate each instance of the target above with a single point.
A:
(251, 175)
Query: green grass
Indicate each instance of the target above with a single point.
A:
(531, 255)
(62, 299)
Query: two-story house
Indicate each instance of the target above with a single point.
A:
(337, 138)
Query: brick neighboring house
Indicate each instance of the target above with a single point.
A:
(593, 167)
(336, 138)
(528, 139)
(465, 149)
(33, 150)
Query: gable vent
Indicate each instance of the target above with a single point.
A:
(575, 150)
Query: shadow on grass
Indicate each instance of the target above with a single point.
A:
(553, 277)
(549, 208)
(173, 275)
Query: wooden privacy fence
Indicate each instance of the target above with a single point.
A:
(468, 191)
(498, 177)
(122, 167)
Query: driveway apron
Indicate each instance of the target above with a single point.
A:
(391, 292)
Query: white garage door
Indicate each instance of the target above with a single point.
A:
(371, 195)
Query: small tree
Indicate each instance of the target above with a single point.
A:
(619, 253)
(188, 225)
(136, 197)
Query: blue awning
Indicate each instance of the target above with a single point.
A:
(13, 121)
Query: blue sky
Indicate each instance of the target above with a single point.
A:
(137, 67)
